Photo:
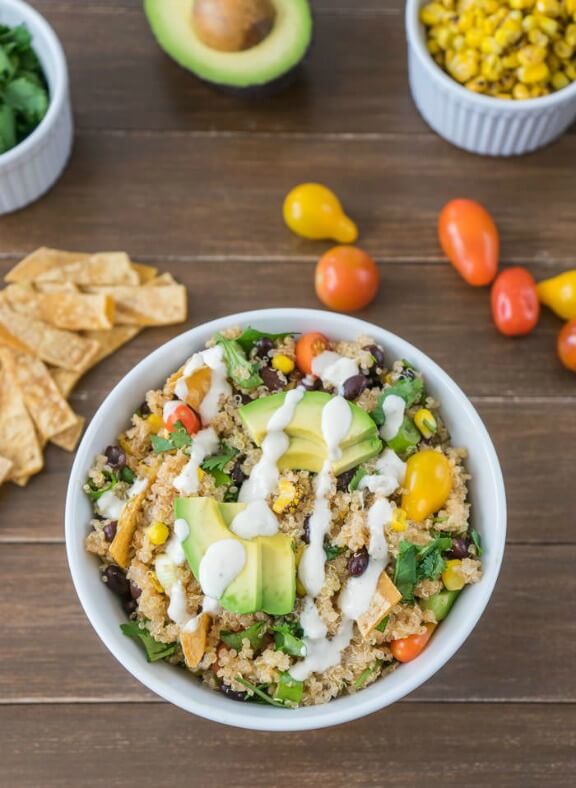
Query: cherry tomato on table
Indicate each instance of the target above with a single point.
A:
(407, 649)
(185, 415)
(567, 346)
(515, 304)
(470, 240)
(347, 279)
(307, 348)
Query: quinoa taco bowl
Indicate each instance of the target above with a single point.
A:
(285, 519)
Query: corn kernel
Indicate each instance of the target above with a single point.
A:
(511, 60)
(491, 6)
(432, 13)
(559, 80)
(491, 68)
(548, 7)
(433, 47)
(537, 91)
(553, 62)
(458, 43)
(463, 66)
(570, 6)
(520, 91)
(477, 85)
(452, 576)
(563, 50)
(570, 35)
(506, 81)
(444, 38)
(154, 422)
(425, 422)
(538, 37)
(399, 520)
(529, 75)
(200, 473)
(570, 70)
(520, 5)
(157, 533)
(505, 38)
(507, 96)
(288, 497)
(465, 22)
(490, 46)
(530, 55)
(283, 364)
(548, 26)
(529, 23)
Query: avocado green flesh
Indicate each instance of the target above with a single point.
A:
(440, 604)
(307, 420)
(268, 579)
(285, 46)
(306, 455)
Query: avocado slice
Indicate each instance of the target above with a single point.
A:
(308, 455)
(263, 68)
(307, 421)
(268, 579)
(440, 604)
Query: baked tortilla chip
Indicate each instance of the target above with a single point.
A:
(105, 268)
(49, 410)
(148, 306)
(160, 281)
(9, 340)
(53, 345)
(18, 440)
(384, 599)
(193, 641)
(145, 272)
(40, 261)
(65, 379)
(6, 466)
(68, 309)
(68, 439)
(119, 549)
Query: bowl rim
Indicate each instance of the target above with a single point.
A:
(416, 37)
(38, 25)
(267, 718)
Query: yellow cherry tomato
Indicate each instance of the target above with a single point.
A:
(559, 293)
(428, 484)
(313, 211)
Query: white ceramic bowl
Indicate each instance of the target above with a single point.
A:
(480, 124)
(180, 687)
(32, 167)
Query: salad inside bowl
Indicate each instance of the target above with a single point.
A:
(286, 518)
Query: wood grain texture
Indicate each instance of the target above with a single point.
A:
(507, 658)
(508, 746)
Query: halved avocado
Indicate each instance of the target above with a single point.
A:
(305, 455)
(262, 68)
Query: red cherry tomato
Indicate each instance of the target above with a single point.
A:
(407, 649)
(347, 279)
(515, 304)
(188, 418)
(469, 238)
(307, 348)
(567, 346)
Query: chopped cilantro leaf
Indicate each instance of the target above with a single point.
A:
(332, 551)
(243, 372)
(177, 439)
(219, 461)
(475, 536)
(286, 640)
(359, 474)
(405, 572)
(127, 475)
(250, 336)
(155, 650)
(260, 693)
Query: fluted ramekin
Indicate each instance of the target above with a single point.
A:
(477, 123)
(32, 167)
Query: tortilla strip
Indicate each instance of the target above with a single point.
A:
(145, 272)
(148, 306)
(40, 261)
(119, 549)
(6, 466)
(194, 642)
(384, 599)
(18, 440)
(49, 410)
(65, 379)
(69, 310)
(53, 345)
(68, 439)
(160, 281)
(7, 339)
(104, 268)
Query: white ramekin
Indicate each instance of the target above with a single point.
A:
(33, 166)
(179, 686)
(480, 124)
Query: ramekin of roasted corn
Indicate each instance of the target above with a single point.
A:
(496, 77)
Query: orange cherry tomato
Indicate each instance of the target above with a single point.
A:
(307, 348)
(347, 279)
(469, 238)
(515, 304)
(567, 346)
(188, 418)
(407, 649)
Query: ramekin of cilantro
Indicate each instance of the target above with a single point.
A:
(36, 128)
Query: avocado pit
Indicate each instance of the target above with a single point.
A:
(233, 25)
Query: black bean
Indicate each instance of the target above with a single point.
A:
(344, 480)
(135, 591)
(129, 606)
(354, 386)
(144, 410)
(238, 476)
(311, 384)
(227, 690)
(407, 374)
(459, 549)
(245, 398)
(306, 532)
(116, 580)
(358, 562)
(378, 355)
(110, 530)
(115, 457)
(272, 379)
(262, 346)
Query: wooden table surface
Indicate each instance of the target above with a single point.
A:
(193, 181)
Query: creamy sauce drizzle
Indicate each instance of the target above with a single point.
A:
(390, 474)
(222, 562)
(173, 548)
(356, 597)
(334, 369)
(204, 444)
(109, 505)
(393, 408)
(213, 358)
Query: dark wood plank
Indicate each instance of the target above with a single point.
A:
(50, 652)
(475, 745)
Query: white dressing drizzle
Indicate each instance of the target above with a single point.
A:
(379, 515)
(109, 505)
(390, 474)
(213, 358)
(393, 408)
(169, 408)
(334, 369)
(358, 592)
(222, 562)
(173, 547)
(323, 653)
(204, 444)
(257, 519)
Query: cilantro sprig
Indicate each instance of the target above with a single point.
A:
(243, 372)
(215, 465)
(177, 439)
(419, 563)
(250, 336)
(155, 650)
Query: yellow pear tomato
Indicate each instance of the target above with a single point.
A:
(313, 211)
(428, 484)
